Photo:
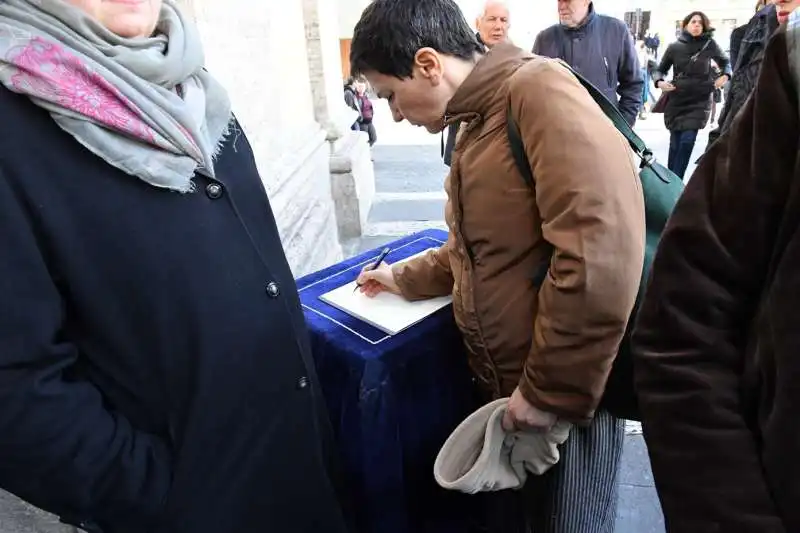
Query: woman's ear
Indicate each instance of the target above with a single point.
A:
(428, 64)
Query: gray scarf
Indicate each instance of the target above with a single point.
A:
(145, 106)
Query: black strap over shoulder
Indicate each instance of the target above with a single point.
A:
(518, 148)
(524, 167)
(608, 108)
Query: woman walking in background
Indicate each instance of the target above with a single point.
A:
(351, 99)
(365, 105)
(689, 94)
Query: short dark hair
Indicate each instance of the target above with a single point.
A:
(391, 32)
(705, 20)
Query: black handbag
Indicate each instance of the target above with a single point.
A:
(661, 104)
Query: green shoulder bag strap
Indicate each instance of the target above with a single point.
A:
(636, 143)
(610, 110)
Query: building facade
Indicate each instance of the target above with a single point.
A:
(281, 65)
(665, 16)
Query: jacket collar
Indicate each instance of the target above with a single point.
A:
(767, 10)
(687, 37)
(477, 94)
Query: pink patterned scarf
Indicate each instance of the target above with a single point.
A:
(145, 106)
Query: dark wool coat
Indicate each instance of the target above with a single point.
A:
(689, 106)
(717, 341)
(749, 54)
(602, 50)
(155, 374)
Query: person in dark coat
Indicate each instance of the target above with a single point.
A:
(155, 373)
(601, 49)
(351, 100)
(366, 114)
(716, 342)
(692, 87)
(747, 52)
(493, 23)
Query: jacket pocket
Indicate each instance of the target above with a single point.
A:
(609, 80)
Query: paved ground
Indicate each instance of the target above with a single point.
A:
(18, 517)
(409, 176)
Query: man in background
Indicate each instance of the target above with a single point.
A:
(492, 23)
(600, 48)
(748, 44)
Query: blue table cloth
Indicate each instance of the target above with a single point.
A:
(393, 401)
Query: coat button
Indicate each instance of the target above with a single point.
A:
(273, 291)
(214, 190)
(302, 383)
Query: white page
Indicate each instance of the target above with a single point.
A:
(386, 311)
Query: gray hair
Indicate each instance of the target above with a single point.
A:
(486, 3)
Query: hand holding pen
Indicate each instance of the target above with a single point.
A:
(377, 277)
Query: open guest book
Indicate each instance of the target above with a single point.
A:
(388, 312)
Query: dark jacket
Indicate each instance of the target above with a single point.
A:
(717, 339)
(689, 106)
(351, 100)
(602, 50)
(735, 43)
(155, 373)
(750, 54)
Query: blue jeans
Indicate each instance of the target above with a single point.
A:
(681, 145)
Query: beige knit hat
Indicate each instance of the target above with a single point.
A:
(480, 456)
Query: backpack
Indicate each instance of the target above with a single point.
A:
(661, 189)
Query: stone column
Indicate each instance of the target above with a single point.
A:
(258, 51)
(352, 174)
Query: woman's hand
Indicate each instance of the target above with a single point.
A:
(719, 82)
(665, 86)
(373, 282)
(522, 416)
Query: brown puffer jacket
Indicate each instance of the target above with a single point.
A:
(557, 342)
(717, 341)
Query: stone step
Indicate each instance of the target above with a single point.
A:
(398, 214)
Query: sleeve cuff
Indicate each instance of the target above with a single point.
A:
(569, 407)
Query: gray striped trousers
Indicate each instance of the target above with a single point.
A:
(578, 495)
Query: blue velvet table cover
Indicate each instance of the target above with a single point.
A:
(393, 401)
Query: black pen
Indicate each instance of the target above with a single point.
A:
(376, 264)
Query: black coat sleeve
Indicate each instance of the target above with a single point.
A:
(736, 41)
(720, 58)
(692, 330)
(61, 448)
(664, 66)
